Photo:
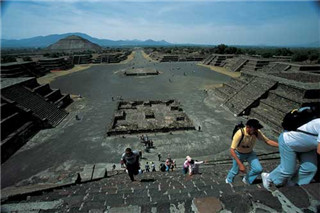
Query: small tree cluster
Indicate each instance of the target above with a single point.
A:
(8, 59)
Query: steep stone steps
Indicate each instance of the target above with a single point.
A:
(36, 103)
(168, 192)
(249, 95)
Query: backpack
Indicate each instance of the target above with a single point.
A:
(236, 128)
(298, 117)
(162, 167)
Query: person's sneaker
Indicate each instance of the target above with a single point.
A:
(291, 183)
(244, 180)
(227, 181)
(265, 181)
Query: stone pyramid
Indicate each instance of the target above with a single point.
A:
(74, 43)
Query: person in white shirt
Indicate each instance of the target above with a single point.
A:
(302, 144)
(194, 167)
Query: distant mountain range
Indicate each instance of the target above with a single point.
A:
(45, 41)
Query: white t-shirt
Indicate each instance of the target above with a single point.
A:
(301, 142)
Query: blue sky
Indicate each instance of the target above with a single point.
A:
(198, 22)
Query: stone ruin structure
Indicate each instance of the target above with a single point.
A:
(217, 59)
(22, 69)
(247, 64)
(141, 72)
(111, 57)
(169, 58)
(176, 58)
(179, 57)
(242, 63)
(149, 116)
(73, 43)
(27, 107)
(81, 59)
(270, 92)
(35, 69)
(60, 63)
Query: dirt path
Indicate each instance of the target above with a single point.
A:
(147, 57)
(53, 75)
(130, 58)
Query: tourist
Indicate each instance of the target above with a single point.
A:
(159, 156)
(130, 159)
(169, 163)
(147, 167)
(194, 166)
(186, 164)
(241, 150)
(162, 167)
(302, 144)
(153, 166)
(191, 166)
(113, 167)
(145, 138)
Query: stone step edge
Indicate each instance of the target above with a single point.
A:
(197, 205)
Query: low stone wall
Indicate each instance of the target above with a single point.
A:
(133, 117)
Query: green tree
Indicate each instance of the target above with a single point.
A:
(8, 59)
(299, 57)
(266, 55)
(221, 48)
(27, 58)
(313, 56)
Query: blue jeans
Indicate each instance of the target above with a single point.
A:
(255, 167)
(287, 169)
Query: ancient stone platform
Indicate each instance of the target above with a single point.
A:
(141, 72)
(149, 116)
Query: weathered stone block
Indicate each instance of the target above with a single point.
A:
(207, 204)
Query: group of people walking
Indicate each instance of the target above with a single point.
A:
(300, 143)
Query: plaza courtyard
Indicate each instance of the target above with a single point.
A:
(81, 138)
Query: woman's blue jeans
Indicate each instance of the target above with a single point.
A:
(255, 167)
(287, 169)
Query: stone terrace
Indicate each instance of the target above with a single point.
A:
(271, 92)
(149, 116)
(169, 192)
(141, 72)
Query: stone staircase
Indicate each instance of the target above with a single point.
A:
(17, 126)
(208, 60)
(56, 64)
(51, 95)
(282, 100)
(219, 60)
(229, 89)
(22, 69)
(249, 95)
(268, 97)
(235, 64)
(169, 192)
(37, 104)
(253, 65)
